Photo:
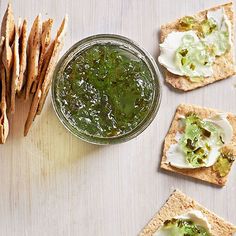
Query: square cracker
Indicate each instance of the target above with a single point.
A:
(224, 65)
(206, 173)
(178, 204)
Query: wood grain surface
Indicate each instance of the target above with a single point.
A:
(54, 184)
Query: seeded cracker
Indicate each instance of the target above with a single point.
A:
(45, 41)
(4, 125)
(59, 43)
(15, 68)
(178, 204)
(8, 31)
(206, 174)
(224, 65)
(33, 53)
(23, 56)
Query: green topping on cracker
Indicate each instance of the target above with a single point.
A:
(195, 58)
(223, 164)
(197, 140)
(207, 27)
(187, 23)
(182, 227)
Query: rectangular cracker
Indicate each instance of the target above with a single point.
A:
(7, 59)
(205, 174)
(33, 48)
(59, 43)
(4, 124)
(178, 204)
(23, 56)
(8, 24)
(15, 68)
(8, 32)
(224, 65)
(45, 41)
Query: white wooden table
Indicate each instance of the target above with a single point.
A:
(54, 184)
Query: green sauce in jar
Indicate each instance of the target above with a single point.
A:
(105, 91)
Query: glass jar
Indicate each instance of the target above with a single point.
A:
(131, 47)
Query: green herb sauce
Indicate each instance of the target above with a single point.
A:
(223, 165)
(203, 28)
(195, 58)
(195, 142)
(105, 91)
(183, 227)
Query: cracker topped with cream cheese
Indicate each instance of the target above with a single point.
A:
(200, 144)
(198, 50)
(181, 215)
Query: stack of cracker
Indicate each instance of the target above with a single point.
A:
(26, 65)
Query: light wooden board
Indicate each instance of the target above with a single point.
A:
(53, 184)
